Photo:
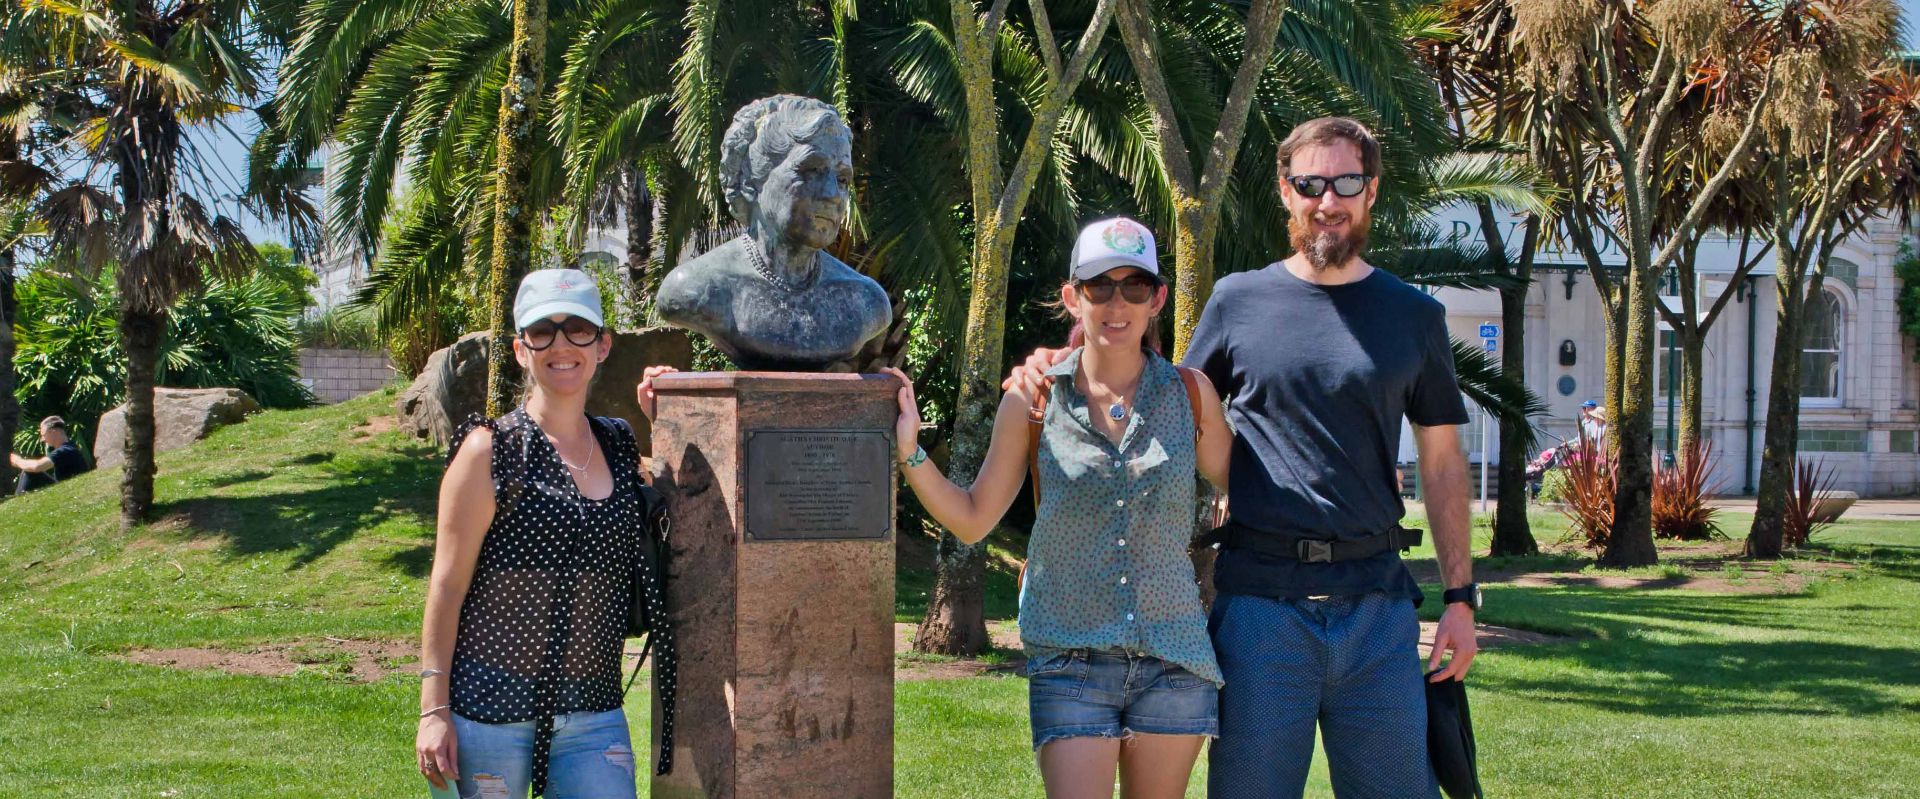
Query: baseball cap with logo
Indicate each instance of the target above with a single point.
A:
(1111, 243)
(546, 292)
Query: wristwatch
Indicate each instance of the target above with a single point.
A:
(1469, 593)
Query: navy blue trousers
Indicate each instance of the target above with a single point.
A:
(1348, 664)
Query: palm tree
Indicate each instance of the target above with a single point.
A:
(1836, 145)
(147, 71)
(1626, 69)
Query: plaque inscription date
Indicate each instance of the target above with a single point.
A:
(819, 485)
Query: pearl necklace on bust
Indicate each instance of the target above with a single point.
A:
(765, 269)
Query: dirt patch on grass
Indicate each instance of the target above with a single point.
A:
(342, 658)
(909, 666)
(1709, 566)
(1490, 637)
(375, 426)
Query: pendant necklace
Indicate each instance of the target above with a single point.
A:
(563, 460)
(1118, 410)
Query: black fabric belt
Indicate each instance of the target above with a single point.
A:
(1310, 549)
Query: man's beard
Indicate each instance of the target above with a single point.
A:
(1331, 250)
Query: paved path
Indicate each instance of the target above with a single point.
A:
(1887, 509)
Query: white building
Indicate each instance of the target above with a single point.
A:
(1860, 385)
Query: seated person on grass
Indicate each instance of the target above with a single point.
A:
(63, 460)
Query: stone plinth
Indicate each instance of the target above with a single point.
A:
(786, 643)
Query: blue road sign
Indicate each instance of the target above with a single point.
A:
(1493, 345)
(1489, 331)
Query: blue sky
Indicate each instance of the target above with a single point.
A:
(234, 153)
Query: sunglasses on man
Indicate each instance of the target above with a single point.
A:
(1136, 289)
(579, 332)
(1316, 185)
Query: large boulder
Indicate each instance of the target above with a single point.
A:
(453, 385)
(181, 416)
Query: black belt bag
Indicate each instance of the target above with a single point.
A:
(1310, 549)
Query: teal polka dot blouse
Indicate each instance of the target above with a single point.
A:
(1107, 566)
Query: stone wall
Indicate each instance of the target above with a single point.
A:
(339, 375)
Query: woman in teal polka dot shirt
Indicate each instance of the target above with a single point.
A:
(1122, 678)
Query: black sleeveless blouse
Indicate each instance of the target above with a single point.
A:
(545, 617)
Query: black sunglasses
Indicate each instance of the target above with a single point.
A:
(579, 332)
(1315, 185)
(1136, 289)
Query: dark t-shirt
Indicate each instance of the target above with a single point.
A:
(67, 464)
(1318, 378)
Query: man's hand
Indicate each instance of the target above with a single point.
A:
(1027, 378)
(1455, 634)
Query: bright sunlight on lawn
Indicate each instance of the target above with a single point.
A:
(306, 534)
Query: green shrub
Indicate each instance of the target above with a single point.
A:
(237, 334)
(1553, 486)
(340, 327)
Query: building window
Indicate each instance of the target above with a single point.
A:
(1667, 360)
(1901, 441)
(1832, 440)
(1820, 356)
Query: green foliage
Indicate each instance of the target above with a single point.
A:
(236, 334)
(340, 327)
(1907, 268)
(278, 265)
(1554, 486)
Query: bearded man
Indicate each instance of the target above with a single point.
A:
(1321, 355)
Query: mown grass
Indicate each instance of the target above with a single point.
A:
(294, 527)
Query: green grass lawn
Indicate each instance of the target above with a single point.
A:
(295, 527)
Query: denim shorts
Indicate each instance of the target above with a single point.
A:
(591, 757)
(1112, 694)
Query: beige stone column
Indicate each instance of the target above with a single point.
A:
(782, 488)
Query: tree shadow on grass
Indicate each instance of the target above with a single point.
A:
(1658, 661)
(359, 492)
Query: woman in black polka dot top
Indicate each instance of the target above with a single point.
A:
(542, 550)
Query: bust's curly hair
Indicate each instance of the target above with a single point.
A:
(760, 136)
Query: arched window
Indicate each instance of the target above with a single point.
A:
(1821, 349)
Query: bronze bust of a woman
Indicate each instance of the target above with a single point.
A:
(773, 299)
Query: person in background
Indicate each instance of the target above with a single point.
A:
(1593, 421)
(63, 460)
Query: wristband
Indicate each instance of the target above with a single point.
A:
(918, 457)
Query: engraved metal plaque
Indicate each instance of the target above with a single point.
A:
(819, 485)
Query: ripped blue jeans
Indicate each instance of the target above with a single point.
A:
(592, 757)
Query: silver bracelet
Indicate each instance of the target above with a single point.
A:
(432, 710)
(425, 673)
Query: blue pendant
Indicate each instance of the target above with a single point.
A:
(1117, 412)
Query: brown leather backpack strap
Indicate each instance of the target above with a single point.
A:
(1191, 379)
(1037, 417)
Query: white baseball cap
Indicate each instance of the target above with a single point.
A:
(1111, 243)
(545, 292)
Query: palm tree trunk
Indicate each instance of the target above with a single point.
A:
(640, 213)
(513, 218)
(1777, 459)
(9, 403)
(140, 334)
(1631, 543)
(1692, 349)
(956, 622)
(1512, 534)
